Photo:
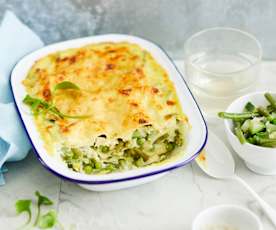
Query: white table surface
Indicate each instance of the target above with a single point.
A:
(170, 203)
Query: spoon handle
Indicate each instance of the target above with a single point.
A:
(270, 212)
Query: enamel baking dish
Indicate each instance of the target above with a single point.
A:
(197, 135)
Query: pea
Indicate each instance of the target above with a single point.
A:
(98, 165)
(88, 169)
(140, 141)
(104, 148)
(170, 146)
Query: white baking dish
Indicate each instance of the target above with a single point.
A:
(197, 136)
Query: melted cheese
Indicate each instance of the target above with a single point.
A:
(122, 88)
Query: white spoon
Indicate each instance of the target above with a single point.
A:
(217, 162)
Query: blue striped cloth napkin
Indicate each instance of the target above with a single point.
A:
(16, 40)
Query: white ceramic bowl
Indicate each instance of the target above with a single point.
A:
(261, 160)
(230, 217)
(197, 136)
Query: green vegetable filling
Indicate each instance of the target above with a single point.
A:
(146, 146)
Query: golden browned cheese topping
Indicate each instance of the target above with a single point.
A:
(121, 86)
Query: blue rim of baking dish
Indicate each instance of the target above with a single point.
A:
(110, 181)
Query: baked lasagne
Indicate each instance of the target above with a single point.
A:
(106, 107)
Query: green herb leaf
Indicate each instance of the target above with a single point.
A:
(24, 206)
(38, 105)
(48, 220)
(41, 200)
(66, 85)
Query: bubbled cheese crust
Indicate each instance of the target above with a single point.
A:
(122, 88)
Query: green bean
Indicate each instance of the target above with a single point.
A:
(251, 140)
(177, 139)
(237, 123)
(237, 116)
(138, 152)
(270, 108)
(262, 111)
(271, 100)
(266, 142)
(161, 138)
(262, 134)
(240, 135)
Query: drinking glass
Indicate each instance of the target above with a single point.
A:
(221, 64)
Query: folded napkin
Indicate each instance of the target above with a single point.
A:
(16, 40)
